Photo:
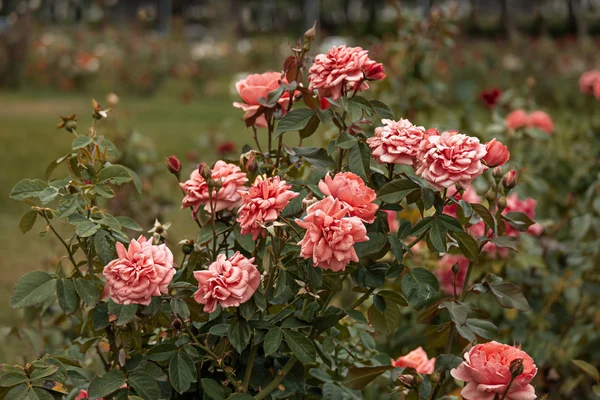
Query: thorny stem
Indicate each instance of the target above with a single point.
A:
(275, 382)
(200, 345)
(256, 139)
(43, 214)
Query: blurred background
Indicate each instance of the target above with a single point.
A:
(167, 70)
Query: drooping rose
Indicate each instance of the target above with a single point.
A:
(445, 275)
(516, 119)
(416, 359)
(351, 190)
(541, 120)
(228, 282)
(497, 154)
(486, 369)
(450, 158)
(226, 198)
(469, 195)
(142, 271)
(263, 203)
(396, 142)
(330, 235)
(341, 70)
(255, 86)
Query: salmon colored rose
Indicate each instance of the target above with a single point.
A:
(341, 70)
(450, 158)
(226, 198)
(263, 203)
(516, 119)
(416, 359)
(486, 370)
(589, 83)
(541, 120)
(392, 220)
(497, 154)
(255, 86)
(396, 142)
(445, 275)
(142, 271)
(351, 190)
(228, 282)
(330, 235)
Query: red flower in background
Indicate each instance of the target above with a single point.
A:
(490, 97)
(225, 147)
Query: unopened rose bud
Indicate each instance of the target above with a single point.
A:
(434, 378)
(308, 201)
(516, 367)
(455, 269)
(497, 153)
(510, 180)
(407, 380)
(204, 171)
(173, 165)
(71, 125)
(497, 173)
(418, 380)
(490, 195)
(218, 184)
(252, 164)
(310, 34)
(501, 204)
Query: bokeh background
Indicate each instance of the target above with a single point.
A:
(167, 70)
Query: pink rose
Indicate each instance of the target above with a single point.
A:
(589, 82)
(255, 86)
(469, 195)
(480, 229)
(416, 359)
(351, 190)
(486, 370)
(330, 235)
(227, 198)
(540, 120)
(445, 275)
(83, 394)
(450, 158)
(263, 203)
(142, 271)
(392, 220)
(396, 142)
(497, 154)
(527, 206)
(341, 70)
(516, 119)
(229, 282)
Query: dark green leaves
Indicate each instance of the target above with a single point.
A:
(239, 334)
(67, 295)
(294, 120)
(396, 190)
(358, 378)
(104, 244)
(385, 322)
(212, 389)
(182, 372)
(468, 246)
(420, 287)
(27, 221)
(507, 294)
(27, 188)
(106, 384)
(87, 290)
(272, 340)
(300, 346)
(144, 385)
(115, 174)
(124, 313)
(32, 288)
(359, 160)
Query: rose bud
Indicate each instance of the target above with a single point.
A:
(204, 171)
(252, 164)
(516, 367)
(497, 173)
(510, 180)
(173, 165)
(374, 72)
(497, 154)
(310, 34)
(501, 204)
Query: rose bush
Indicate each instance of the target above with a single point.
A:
(305, 261)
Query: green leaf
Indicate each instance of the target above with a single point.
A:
(43, 372)
(331, 391)
(80, 142)
(12, 379)
(310, 128)
(137, 182)
(508, 294)
(86, 229)
(212, 389)
(588, 369)
(382, 110)
(396, 190)
(129, 223)
(144, 385)
(376, 242)
(357, 316)
(422, 226)
(100, 316)
(393, 296)
(239, 334)
(67, 296)
(518, 220)
(388, 321)
(27, 221)
(294, 120)
(206, 232)
(105, 246)
(482, 328)
(468, 246)
(124, 313)
(27, 188)
(87, 290)
(182, 372)
(485, 214)
(114, 174)
(458, 311)
(32, 288)
(345, 141)
(302, 347)
(18, 392)
(359, 160)
(106, 384)
(272, 340)
(437, 235)
(420, 287)
(359, 377)
(48, 194)
(162, 352)
(243, 240)
(39, 394)
(316, 156)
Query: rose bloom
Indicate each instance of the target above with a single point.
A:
(330, 236)
(229, 282)
(263, 203)
(392, 220)
(490, 97)
(396, 142)
(445, 275)
(416, 359)
(516, 119)
(255, 86)
(497, 154)
(227, 198)
(351, 190)
(541, 120)
(142, 271)
(527, 206)
(450, 158)
(343, 69)
(486, 370)
(589, 83)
